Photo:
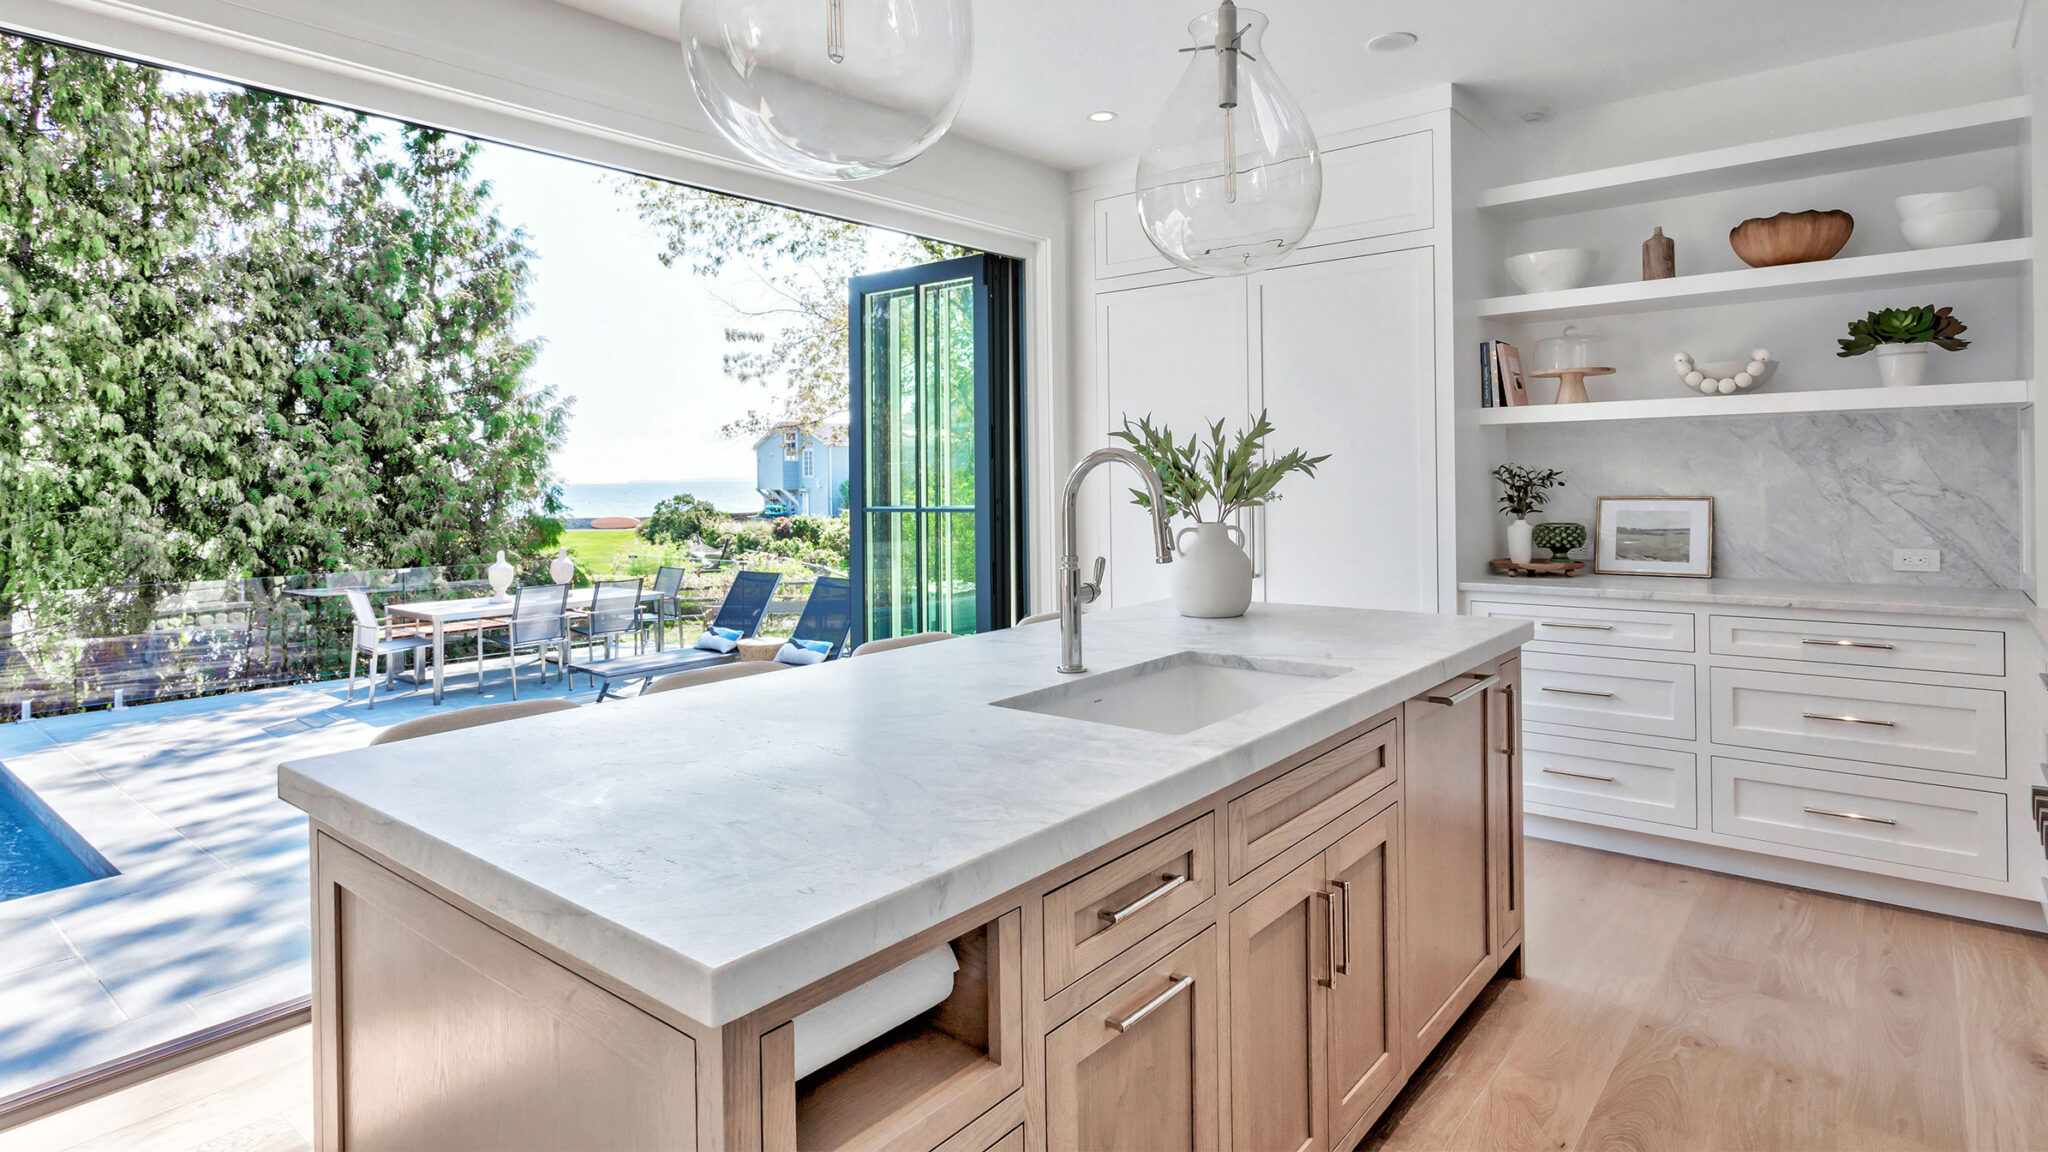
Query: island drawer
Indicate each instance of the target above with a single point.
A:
(1654, 784)
(1646, 697)
(1958, 830)
(1280, 813)
(1000, 1129)
(1597, 627)
(1938, 728)
(1967, 650)
(1092, 918)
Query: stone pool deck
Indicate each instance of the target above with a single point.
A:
(208, 917)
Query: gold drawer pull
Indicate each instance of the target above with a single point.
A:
(1141, 903)
(1180, 984)
(1851, 720)
(1579, 692)
(1850, 816)
(1580, 775)
(1850, 644)
(1583, 627)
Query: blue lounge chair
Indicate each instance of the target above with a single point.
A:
(745, 603)
(828, 617)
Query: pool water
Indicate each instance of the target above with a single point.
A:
(32, 859)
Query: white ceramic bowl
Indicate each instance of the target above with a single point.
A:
(1935, 203)
(1942, 229)
(1552, 270)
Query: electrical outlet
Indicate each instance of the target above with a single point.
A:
(1916, 559)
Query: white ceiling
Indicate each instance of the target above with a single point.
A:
(1042, 65)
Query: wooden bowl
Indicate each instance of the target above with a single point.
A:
(1791, 237)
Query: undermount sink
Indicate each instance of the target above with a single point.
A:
(1174, 694)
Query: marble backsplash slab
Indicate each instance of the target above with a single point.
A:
(1822, 496)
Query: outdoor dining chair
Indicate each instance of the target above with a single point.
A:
(614, 612)
(374, 638)
(538, 622)
(668, 601)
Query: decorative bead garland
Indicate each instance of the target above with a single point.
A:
(1758, 370)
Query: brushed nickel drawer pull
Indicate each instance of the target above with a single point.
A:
(1850, 644)
(1580, 775)
(1329, 977)
(1578, 692)
(1180, 984)
(1460, 697)
(1344, 890)
(1850, 816)
(1851, 720)
(1583, 627)
(1124, 913)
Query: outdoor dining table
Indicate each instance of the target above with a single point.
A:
(440, 614)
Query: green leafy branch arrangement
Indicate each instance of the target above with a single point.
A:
(1232, 474)
(1923, 325)
(1526, 490)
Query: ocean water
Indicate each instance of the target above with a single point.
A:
(726, 493)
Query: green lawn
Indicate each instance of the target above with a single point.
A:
(601, 552)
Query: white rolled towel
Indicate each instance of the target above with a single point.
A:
(851, 1019)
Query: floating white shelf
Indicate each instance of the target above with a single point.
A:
(1884, 270)
(1979, 394)
(1949, 132)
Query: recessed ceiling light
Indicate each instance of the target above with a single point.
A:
(1102, 117)
(1391, 41)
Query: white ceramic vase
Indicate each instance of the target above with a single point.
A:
(500, 574)
(1521, 541)
(562, 569)
(1901, 365)
(1212, 576)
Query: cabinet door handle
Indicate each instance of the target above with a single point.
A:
(1850, 720)
(1849, 644)
(1513, 728)
(1578, 692)
(1582, 627)
(1180, 984)
(1459, 697)
(1329, 977)
(1119, 915)
(1849, 816)
(1342, 966)
(1579, 775)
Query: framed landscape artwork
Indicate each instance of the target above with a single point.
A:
(1654, 536)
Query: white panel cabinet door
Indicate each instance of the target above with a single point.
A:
(1344, 360)
(1179, 353)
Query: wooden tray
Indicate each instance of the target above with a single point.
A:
(1538, 568)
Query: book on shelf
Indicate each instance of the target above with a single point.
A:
(1486, 373)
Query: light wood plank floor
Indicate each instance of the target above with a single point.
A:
(1665, 1008)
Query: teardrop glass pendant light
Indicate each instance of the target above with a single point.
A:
(829, 89)
(1230, 178)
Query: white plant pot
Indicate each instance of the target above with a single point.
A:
(1521, 541)
(1212, 576)
(562, 569)
(1901, 365)
(500, 574)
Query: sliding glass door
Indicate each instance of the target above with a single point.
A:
(934, 383)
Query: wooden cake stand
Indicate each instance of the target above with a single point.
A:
(1508, 567)
(1571, 382)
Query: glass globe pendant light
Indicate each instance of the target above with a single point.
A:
(1230, 178)
(829, 89)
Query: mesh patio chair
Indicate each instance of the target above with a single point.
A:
(615, 611)
(373, 637)
(739, 616)
(668, 601)
(539, 621)
(827, 621)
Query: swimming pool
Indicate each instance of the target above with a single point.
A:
(34, 856)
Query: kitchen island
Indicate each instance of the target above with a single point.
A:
(1226, 890)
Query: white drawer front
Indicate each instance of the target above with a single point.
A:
(1863, 645)
(1614, 779)
(1910, 725)
(1956, 830)
(1597, 627)
(1641, 696)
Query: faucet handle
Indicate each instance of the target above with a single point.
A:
(1092, 589)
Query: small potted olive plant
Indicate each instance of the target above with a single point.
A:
(1524, 491)
(1207, 480)
(1900, 337)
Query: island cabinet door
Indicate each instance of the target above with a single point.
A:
(1279, 976)
(1364, 870)
(1447, 828)
(1140, 1070)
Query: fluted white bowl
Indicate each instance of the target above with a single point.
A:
(1552, 270)
(1942, 229)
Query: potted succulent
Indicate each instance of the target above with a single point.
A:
(1523, 491)
(1207, 480)
(1900, 337)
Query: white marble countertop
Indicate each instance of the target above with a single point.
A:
(720, 847)
(1891, 599)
